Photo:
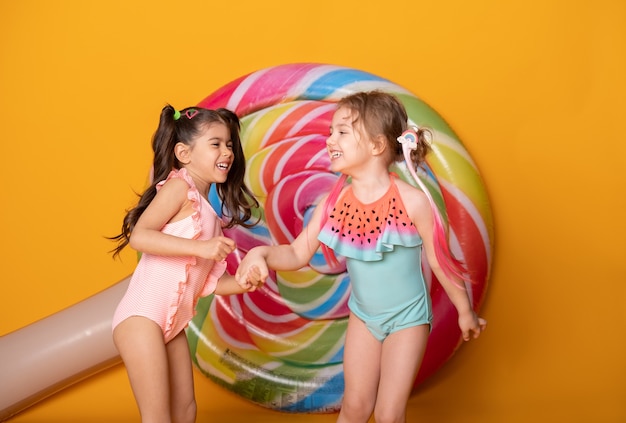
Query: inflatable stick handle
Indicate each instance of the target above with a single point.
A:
(58, 351)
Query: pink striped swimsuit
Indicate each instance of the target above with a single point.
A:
(166, 289)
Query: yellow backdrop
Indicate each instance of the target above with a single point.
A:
(535, 89)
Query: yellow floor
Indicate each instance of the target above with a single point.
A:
(106, 397)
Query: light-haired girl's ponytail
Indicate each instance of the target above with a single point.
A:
(450, 265)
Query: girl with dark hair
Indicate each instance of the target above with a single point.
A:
(183, 254)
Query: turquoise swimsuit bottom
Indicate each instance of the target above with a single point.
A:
(390, 294)
(383, 255)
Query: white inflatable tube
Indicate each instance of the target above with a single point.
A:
(58, 351)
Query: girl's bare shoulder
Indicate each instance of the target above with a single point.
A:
(174, 186)
(415, 202)
(411, 194)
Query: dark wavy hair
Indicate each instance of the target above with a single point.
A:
(182, 126)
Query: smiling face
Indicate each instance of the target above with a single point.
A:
(347, 144)
(209, 155)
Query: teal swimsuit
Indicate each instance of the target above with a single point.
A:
(383, 256)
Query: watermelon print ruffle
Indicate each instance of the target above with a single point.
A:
(366, 231)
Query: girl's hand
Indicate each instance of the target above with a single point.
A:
(252, 280)
(216, 248)
(471, 325)
(252, 269)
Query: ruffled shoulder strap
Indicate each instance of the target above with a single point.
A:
(179, 174)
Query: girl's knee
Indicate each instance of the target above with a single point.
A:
(383, 413)
(356, 409)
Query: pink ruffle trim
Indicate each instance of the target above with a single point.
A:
(194, 196)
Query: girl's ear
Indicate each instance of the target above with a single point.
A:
(181, 151)
(379, 145)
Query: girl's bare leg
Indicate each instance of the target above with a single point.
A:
(401, 357)
(182, 397)
(361, 371)
(140, 344)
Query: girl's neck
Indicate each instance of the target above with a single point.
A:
(370, 186)
(202, 186)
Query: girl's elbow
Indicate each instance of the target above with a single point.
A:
(132, 241)
(300, 263)
(135, 241)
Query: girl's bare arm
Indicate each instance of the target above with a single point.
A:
(169, 205)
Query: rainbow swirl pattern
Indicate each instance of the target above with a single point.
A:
(281, 346)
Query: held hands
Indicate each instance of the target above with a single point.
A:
(218, 248)
(252, 270)
(471, 325)
(251, 281)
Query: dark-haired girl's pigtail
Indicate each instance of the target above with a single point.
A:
(164, 161)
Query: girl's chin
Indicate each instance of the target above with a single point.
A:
(221, 178)
(334, 167)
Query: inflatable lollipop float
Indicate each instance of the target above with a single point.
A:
(281, 346)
